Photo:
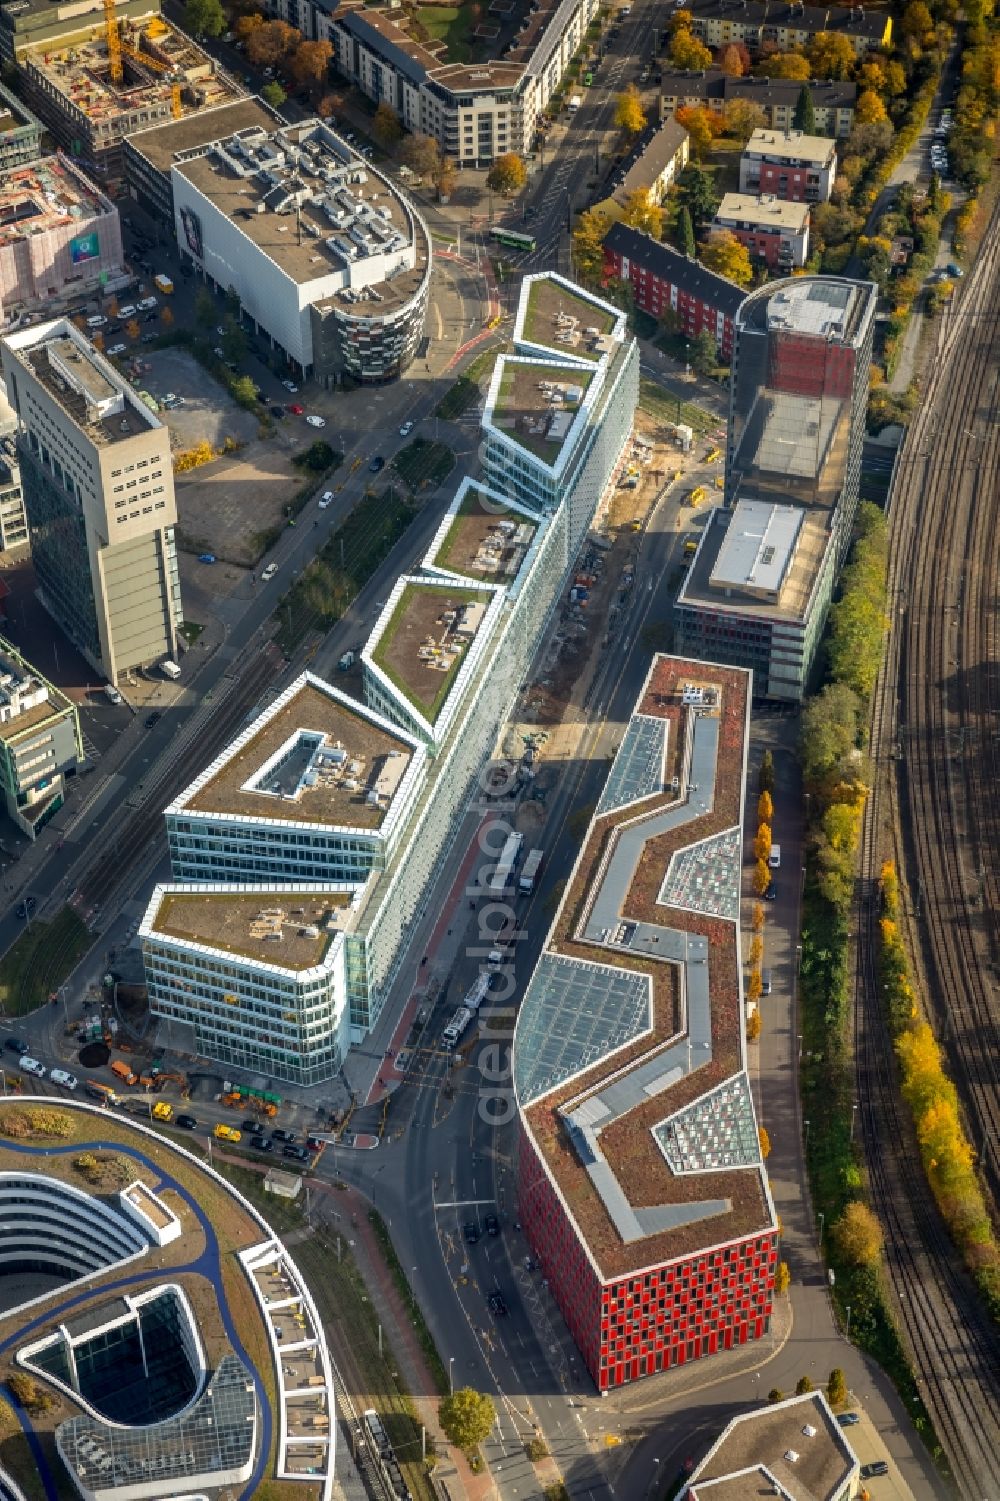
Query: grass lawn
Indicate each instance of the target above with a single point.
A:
(383, 655)
(724, 166)
(661, 400)
(40, 960)
(191, 630)
(423, 464)
(451, 24)
(334, 578)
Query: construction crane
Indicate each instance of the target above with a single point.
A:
(115, 67)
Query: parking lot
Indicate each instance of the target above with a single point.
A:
(208, 413)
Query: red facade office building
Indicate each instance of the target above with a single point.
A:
(640, 1183)
(661, 279)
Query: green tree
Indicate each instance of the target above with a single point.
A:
(782, 1278)
(273, 94)
(641, 211)
(687, 52)
(703, 353)
(507, 175)
(467, 1417)
(696, 193)
(917, 22)
(858, 619)
(776, 1395)
(869, 109)
(765, 777)
(386, 127)
(685, 233)
(244, 391)
(831, 55)
(836, 1387)
(234, 342)
(630, 117)
(858, 1235)
(723, 253)
(803, 1385)
(804, 118)
(829, 732)
(204, 18)
(205, 314)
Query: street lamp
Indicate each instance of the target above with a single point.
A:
(451, 1378)
(822, 1217)
(847, 1332)
(854, 1116)
(806, 1124)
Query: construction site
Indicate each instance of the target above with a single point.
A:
(105, 80)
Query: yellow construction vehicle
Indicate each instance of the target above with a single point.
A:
(162, 1111)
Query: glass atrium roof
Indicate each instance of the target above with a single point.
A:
(638, 767)
(705, 877)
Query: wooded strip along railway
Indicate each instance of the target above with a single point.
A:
(936, 753)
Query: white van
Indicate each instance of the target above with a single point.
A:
(111, 694)
(774, 858)
(170, 669)
(32, 1066)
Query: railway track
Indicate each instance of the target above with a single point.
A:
(139, 835)
(938, 694)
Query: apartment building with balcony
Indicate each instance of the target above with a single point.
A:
(794, 167)
(785, 24)
(833, 103)
(40, 742)
(773, 231)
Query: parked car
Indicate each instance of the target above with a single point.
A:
(63, 1077)
(280, 1134)
(16, 1045)
(206, 557)
(377, 464)
(269, 572)
(295, 409)
(252, 1126)
(262, 1144)
(497, 1306)
(848, 1419)
(315, 421)
(96, 321)
(314, 1143)
(877, 1467)
(771, 894)
(325, 499)
(128, 311)
(118, 349)
(187, 1122)
(152, 719)
(406, 429)
(227, 1133)
(147, 303)
(298, 1153)
(278, 412)
(290, 385)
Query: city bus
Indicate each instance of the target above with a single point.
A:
(513, 239)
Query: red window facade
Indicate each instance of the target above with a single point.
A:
(660, 1318)
(654, 295)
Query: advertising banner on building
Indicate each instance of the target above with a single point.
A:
(192, 232)
(85, 248)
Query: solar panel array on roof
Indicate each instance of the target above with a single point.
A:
(638, 767)
(573, 1014)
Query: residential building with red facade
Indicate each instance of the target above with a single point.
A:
(774, 232)
(794, 167)
(640, 1182)
(662, 278)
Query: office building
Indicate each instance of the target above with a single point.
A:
(795, 1449)
(149, 155)
(13, 519)
(20, 131)
(93, 81)
(792, 166)
(559, 410)
(328, 259)
(136, 1320)
(665, 281)
(759, 588)
(641, 1187)
(60, 238)
(40, 742)
(774, 232)
(654, 163)
(99, 496)
(784, 24)
(331, 816)
(833, 103)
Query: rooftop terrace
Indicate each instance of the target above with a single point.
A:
(485, 540)
(290, 928)
(422, 642)
(313, 757)
(629, 1053)
(563, 318)
(536, 403)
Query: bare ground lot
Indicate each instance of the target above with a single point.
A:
(228, 506)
